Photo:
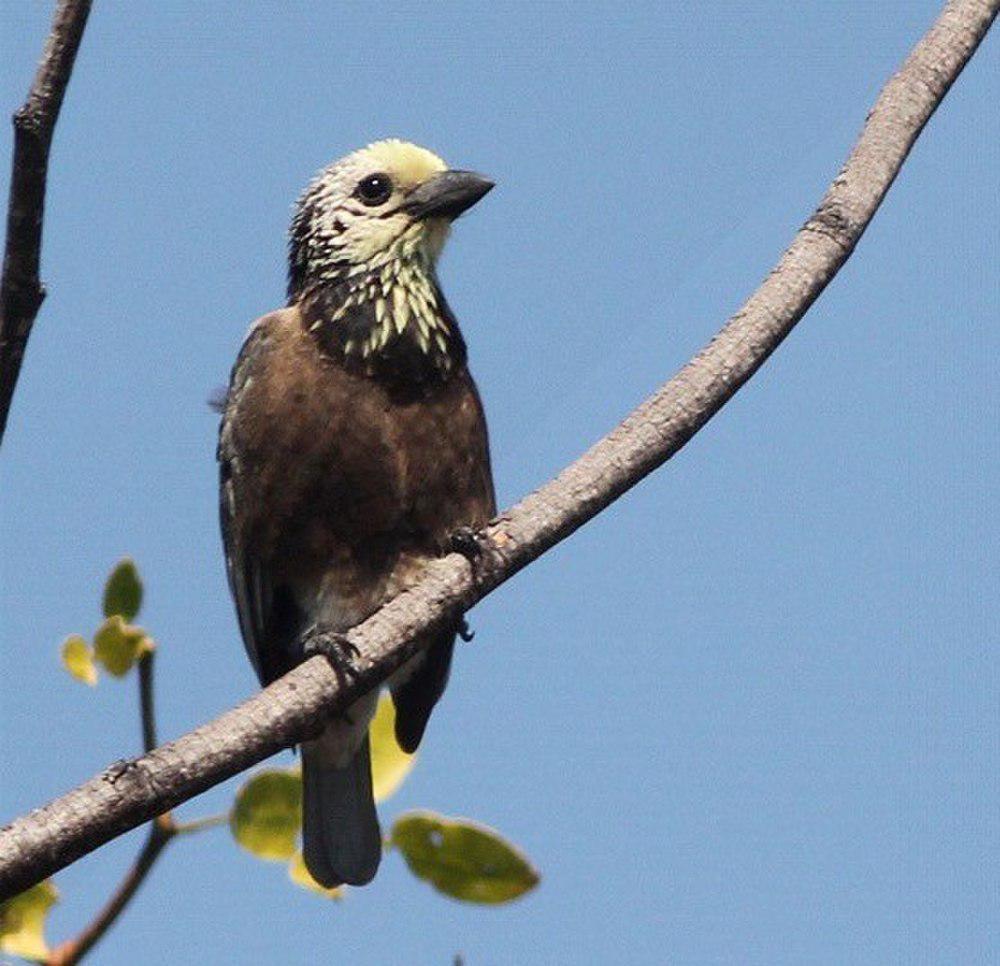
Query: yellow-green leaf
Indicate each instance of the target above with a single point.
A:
(463, 859)
(118, 645)
(22, 922)
(267, 814)
(299, 874)
(390, 764)
(123, 590)
(78, 659)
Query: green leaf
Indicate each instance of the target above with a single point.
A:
(267, 814)
(118, 645)
(463, 859)
(299, 874)
(22, 922)
(123, 591)
(390, 764)
(78, 659)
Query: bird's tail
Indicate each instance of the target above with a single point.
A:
(341, 838)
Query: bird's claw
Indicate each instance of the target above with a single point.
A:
(476, 547)
(335, 647)
(467, 542)
(465, 632)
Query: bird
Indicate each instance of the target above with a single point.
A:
(352, 449)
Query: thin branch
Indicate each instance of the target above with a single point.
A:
(161, 831)
(201, 824)
(21, 291)
(73, 950)
(294, 707)
(147, 706)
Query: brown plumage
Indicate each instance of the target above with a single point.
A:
(352, 446)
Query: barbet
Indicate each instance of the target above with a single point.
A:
(352, 447)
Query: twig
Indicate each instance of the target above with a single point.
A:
(161, 830)
(147, 706)
(72, 951)
(200, 824)
(293, 707)
(21, 291)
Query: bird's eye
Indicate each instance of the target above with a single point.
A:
(375, 189)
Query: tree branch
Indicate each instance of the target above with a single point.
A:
(294, 707)
(21, 291)
(161, 831)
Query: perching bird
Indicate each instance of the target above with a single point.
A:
(352, 447)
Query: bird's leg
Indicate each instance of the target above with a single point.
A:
(335, 647)
(481, 552)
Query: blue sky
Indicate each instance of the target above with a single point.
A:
(749, 715)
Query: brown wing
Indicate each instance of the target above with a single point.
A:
(249, 584)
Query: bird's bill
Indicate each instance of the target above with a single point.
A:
(447, 195)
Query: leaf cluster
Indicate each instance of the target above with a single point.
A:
(117, 643)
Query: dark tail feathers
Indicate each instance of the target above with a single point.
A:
(342, 841)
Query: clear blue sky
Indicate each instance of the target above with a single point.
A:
(749, 715)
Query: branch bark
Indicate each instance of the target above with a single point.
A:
(293, 708)
(21, 291)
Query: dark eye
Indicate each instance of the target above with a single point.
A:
(375, 189)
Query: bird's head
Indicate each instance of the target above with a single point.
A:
(385, 206)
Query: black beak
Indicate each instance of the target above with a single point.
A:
(447, 195)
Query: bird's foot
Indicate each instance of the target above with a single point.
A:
(335, 647)
(477, 548)
(465, 632)
(468, 543)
